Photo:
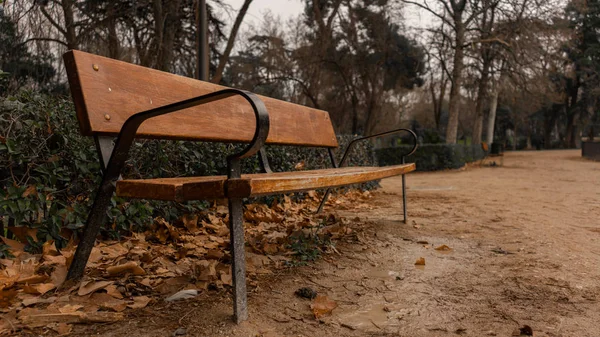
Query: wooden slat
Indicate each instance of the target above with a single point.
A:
(106, 97)
(199, 188)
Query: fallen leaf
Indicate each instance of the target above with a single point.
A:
(22, 233)
(59, 275)
(443, 248)
(6, 297)
(182, 295)
(33, 279)
(226, 277)
(322, 305)
(70, 308)
(88, 287)
(129, 267)
(190, 222)
(113, 291)
(139, 302)
(16, 247)
(105, 301)
(49, 248)
(420, 261)
(35, 300)
(38, 289)
(7, 323)
(30, 190)
(114, 251)
(62, 328)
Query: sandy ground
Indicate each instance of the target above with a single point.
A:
(525, 251)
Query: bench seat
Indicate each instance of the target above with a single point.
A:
(213, 187)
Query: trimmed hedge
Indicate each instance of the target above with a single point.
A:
(49, 172)
(432, 157)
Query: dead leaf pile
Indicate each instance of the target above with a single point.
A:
(192, 253)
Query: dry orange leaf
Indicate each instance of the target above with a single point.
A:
(59, 275)
(22, 233)
(16, 247)
(322, 305)
(38, 289)
(106, 301)
(113, 291)
(6, 297)
(129, 267)
(420, 261)
(33, 279)
(88, 287)
(140, 302)
(63, 328)
(70, 308)
(49, 248)
(31, 190)
(443, 248)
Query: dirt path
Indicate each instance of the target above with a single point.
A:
(525, 251)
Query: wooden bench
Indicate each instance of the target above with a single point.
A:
(126, 101)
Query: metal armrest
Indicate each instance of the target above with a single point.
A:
(121, 150)
(349, 147)
(130, 127)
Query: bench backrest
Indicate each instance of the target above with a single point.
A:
(106, 92)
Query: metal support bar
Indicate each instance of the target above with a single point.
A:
(404, 193)
(264, 160)
(236, 238)
(326, 196)
(104, 147)
(351, 145)
(121, 151)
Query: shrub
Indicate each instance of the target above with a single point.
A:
(432, 157)
(49, 172)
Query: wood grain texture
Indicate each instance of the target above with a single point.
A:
(106, 97)
(199, 188)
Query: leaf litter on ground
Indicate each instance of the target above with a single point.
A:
(189, 255)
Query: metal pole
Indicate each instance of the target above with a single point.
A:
(202, 40)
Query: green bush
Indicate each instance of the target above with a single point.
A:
(49, 172)
(432, 157)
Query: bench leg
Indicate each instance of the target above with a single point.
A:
(238, 267)
(404, 196)
(92, 226)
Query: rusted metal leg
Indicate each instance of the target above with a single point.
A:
(238, 267)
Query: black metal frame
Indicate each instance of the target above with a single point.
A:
(345, 157)
(113, 159)
(119, 155)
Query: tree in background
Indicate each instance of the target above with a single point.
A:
(18, 67)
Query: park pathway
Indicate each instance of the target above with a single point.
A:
(524, 250)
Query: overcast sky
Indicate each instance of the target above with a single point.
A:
(284, 8)
(290, 8)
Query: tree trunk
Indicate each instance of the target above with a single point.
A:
(166, 28)
(113, 40)
(230, 42)
(71, 34)
(492, 115)
(481, 96)
(438, 101)
(452, 129)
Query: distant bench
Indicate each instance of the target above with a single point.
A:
(114, 99)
